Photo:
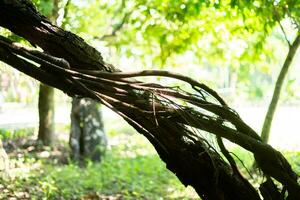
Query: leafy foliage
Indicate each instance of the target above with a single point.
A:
(6, 134)
(242, 36)
(233, 34)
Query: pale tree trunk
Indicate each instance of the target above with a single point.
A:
(4, 162)
(46, 105)
(265, 133)
(87, 137)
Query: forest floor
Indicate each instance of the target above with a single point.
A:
(131, 168)
(47, 173)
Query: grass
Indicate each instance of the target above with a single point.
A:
(130, 170)
(6, 134)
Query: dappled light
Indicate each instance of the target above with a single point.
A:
(153, 100)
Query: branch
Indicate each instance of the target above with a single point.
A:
(65, 13)
(116, 27)
(170, 118)
(124, 98)
(284, 34)
(281, 27)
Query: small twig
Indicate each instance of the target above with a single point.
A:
(281, 27)
(243, 164)
(117, 27)
(65, 13)
(285, 35)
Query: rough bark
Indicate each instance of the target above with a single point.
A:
(20, 17)
(168, 128)
(265, 133)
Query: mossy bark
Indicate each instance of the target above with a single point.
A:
(87, 137)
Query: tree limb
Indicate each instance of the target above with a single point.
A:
(165, 115)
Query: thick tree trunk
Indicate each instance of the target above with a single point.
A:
(46, 115)
(265, 133)
(186, 154)
(87, 137)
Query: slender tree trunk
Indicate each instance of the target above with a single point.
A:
(265, 133)
(46, 106)
(46, 115)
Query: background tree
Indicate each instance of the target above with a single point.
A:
(240, 33)
(46, 133)
(265, 134)
(87, 136)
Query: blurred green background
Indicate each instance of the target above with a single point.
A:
(236, 48)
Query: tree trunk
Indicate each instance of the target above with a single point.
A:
(46, 105)
(87, 138)
(265, 133)
(46, 115)
(168, 127)
(4, 162)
